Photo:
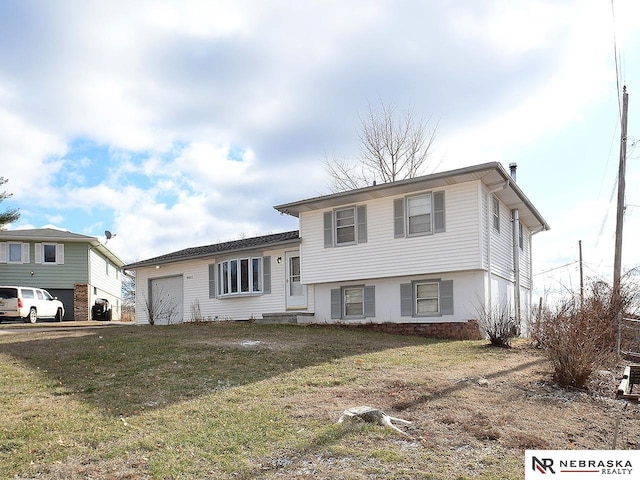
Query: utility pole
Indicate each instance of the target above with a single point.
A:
(617, 264)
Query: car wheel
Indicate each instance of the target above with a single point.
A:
(33, 316)
(59, 315)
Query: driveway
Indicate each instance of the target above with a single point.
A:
(12, 327)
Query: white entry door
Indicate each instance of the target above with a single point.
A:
(296, 291)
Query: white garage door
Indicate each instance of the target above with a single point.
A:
(166, 300)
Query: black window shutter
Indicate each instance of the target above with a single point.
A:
(446, 297)
(328, 229)
(370, 301)
(438, 212)
(266, 274)
(406, 300)
(336, 303)
(362, 223)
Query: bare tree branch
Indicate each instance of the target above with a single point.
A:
(392, 147)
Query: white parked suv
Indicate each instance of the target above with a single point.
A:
(29, 303)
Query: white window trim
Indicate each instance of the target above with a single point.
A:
(354, 226)
(22, 253)
(415, 298)
(408, 217)
(495, 209)
(220, 283)
(344, 302)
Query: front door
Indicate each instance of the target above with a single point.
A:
(296, 291)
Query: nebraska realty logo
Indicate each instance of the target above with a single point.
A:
(581, 463)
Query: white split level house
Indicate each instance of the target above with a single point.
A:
(422, 256)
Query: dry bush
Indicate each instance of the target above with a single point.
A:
(497, 323)
(579, 335)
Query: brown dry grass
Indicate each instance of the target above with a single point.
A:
(200, 401)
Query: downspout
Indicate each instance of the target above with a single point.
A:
(516, 263)
(489, 235)
(516, 251)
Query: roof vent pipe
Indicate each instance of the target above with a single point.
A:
(512, 169)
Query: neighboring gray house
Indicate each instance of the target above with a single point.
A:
(420, 255)
(77, 269)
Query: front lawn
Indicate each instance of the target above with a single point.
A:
(240, 401)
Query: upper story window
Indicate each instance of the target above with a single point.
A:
(520, 236)
(345, 226)
(14, 252)
(240, 276)
(419, 214)
(49, 253)
(496, 214)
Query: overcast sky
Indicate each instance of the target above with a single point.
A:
(176, 124)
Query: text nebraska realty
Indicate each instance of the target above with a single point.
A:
(606, 467)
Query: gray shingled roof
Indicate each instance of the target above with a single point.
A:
(218, 248)
(44, 234)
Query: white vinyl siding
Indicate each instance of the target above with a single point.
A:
(383, 255)
(106, 282)
(198, 287)
(461, 287)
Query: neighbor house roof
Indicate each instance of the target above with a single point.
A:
(53, 235)
(492, 174)
(220, 248)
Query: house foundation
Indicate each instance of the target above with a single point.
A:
(469, 330)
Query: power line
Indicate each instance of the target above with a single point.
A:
(556, 268)
(615, 58)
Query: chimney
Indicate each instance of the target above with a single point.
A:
(512, 169)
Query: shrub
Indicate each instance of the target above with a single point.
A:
(497, 324)
(579, 335)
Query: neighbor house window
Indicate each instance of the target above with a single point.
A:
(18, 253)
(419, 215)
(50, 253)
(345, 226)
(426, 298)
(239, 276)
(496, 214)
(352, 302)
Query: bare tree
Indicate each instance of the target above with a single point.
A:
(10, 215)
(393, 147)
(159, 309)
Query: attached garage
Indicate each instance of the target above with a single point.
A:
(65, 295)
(166, 298)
